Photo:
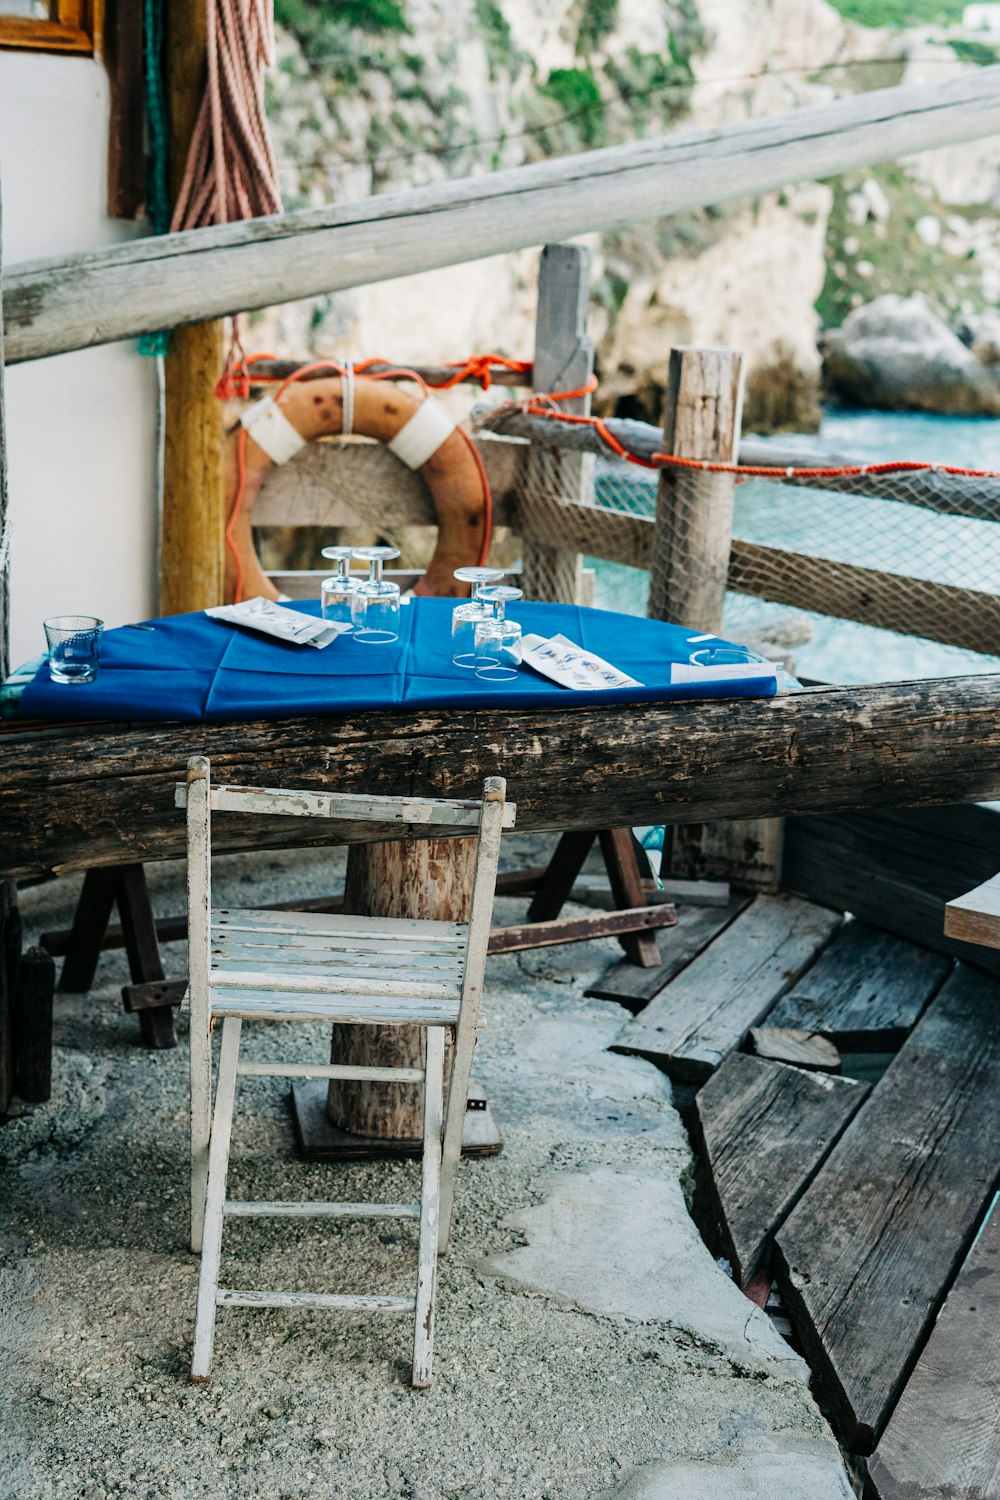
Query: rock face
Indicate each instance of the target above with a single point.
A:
(381, 94)
(897, 353)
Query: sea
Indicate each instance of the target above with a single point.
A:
(877, 533)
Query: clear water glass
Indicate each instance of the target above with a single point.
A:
(499, 651)
(465, 616)
(74, 643)
(337, 593)
(725, 656)
(498, 645)
(375, 601)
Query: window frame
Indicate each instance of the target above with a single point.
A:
(73, 27)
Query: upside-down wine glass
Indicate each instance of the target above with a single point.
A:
(375, 601)
(465, 616)
(498, 640)
(338, 591)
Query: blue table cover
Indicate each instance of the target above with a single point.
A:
(189, 667)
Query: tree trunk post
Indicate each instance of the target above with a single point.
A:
(425, 878)
(688, 572)
(564, 361)
(194, 521)
(9, 924)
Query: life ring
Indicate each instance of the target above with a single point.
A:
(418, 429)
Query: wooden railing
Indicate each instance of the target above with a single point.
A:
(72, 302)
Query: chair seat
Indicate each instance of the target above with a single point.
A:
(388, 1010)
(310, 965)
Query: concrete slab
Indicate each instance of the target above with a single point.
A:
(623, 1244)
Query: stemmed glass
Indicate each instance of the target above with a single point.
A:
(338, 591)
(498, 640)
(465, 616)
(375, 601)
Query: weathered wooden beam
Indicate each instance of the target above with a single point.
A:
(71, 302)
(79, 796)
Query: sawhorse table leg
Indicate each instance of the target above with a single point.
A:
(123, 886)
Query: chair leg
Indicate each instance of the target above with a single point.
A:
(201, 1126)
(218, 1167)
(423, 1337)
(454, 1130)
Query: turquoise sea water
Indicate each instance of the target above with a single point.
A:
(876, 533)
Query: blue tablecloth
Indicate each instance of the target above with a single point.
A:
(188, 667)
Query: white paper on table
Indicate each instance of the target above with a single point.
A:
(568, 664)
(288, 625)
(682, 671)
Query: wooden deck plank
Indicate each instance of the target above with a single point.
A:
(864, 1259)
(801, 1049)
(763, 1129)
(944, 1436)
(975, 917)
(696, 927)
(708, 1009)
(866, 992)
(880, 866)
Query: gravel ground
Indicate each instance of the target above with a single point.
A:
(558, 1375)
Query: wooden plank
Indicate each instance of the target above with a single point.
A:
(74, 797)
(763, 1129)
(864, 1261)
(866, 992)
(581, 929)
(975, 917)
(561, 872)
(957, 616)
(896, 869)
(632, 987)
(801, 1049)
(943, 1439)
(123, 58)
(705, 1013)
(71, 302)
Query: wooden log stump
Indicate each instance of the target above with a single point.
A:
(429, 879)
(33, 1014)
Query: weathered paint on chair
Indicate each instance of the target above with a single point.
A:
(263, 965)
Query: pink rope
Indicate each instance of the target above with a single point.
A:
(231, 172)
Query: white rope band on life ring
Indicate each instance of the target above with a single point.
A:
(271, 430)
(421, 437)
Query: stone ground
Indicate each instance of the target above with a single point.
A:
(588, 1348)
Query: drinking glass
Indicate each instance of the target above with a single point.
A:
(498, 644)
(465, 616)
(74, 647)
(338, 591)
(725, 656)
(375, 601)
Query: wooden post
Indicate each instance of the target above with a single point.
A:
(9, 925)
(688, 571)
(429, 878)
(33, 1040)
(193, 525)
(564, 361)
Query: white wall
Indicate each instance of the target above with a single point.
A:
(81, 428)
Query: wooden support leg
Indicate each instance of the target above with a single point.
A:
(102, 889)
(10, 953)
(33, 1026)
(557, 882)
(430, 1207)
(90, 920)
(626, 890)
(142, 946)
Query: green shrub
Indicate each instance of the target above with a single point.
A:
(899, 12)
(576, 93)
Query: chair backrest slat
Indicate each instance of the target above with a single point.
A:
(444, 813)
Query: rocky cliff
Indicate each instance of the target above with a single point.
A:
(373, 94)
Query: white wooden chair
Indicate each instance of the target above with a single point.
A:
(267, 965)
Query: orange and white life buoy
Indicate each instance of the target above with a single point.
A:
(416, 428)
